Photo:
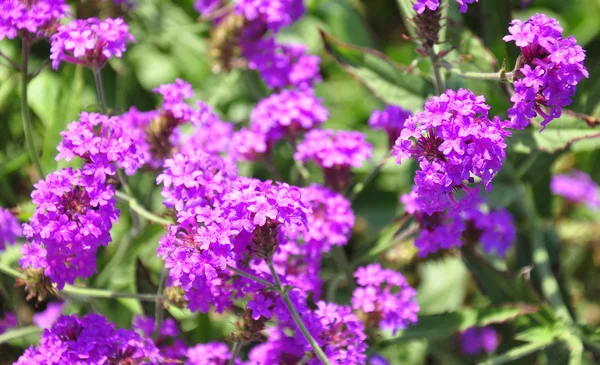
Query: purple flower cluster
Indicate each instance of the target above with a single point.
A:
(212, 353)
(336, 152)
(577, 187)
(30, 19)
(385, 298)
(138, 126)
(171, 349)
(476, 340)
(281, 65)
(471, 219)
(9, 321)
(49, 316)
(101, 142)
(205, 7)
(454, 142)
(249, 145)
(90, 42)
(421, 5)
(90, 340)
(212, 135)
(288, 114)
(9, 228)
(391, 120)
(272, 14)
(548, 70)
(72, 219)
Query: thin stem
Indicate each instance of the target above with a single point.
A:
(16, 333)
(159, 308)
(589, 119)
(25, 110)
(143, 212)
(500, 76)
(360, 186)
(438, 78)
(253, 278)
(290, 306)
(100, 90)
(235, 351)
(518, 352)
(11, 61)
(339, 256)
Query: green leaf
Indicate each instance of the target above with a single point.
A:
(517, 353)
(439, 326)
(384, 78)
(560, 134)
(443, 285)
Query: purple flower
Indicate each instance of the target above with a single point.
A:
(9, 228)
(282, 65)
(30, 19)
(577, 187)
(287, 114)
(72, 219)
(378, 360)
(391, 120)
(453, 141)
(205, 7)
(90, 42)
(475, 340)
(260, 307)
(248, 145)
(48, 317)
(9, 321)
(272, 14)
(549, 69)
(385, 296)
(138, 126)
(336, 152)
(420, 5)
(169, 346)
(212, 353)
(212, 135)
(90, 340)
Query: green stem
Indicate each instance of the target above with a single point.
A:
(27, 129)
(235, 351)
(100, 89)
(500, 76)
(341, 260)
(253, 278)
(360, 186)
(16, 333)
(139, 209)
(517, 353)
(290, 306)
(438, 78)
(159, 308)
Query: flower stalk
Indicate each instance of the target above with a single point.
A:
(139, 209)
(100, 90)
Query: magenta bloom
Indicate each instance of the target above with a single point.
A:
(476, 340)
(91, 340)
(90, 42)
(271, 14)
(260, 307)
(420, 5)
(453, 141)
(288, 114)
(391, 120)
(10, 228)
(385, 296)
(72, 219)
(248, 145)
(211, 135)
(30, 19)
(48, 317)
(9, 321)
(169, 346)
(577, 187)
(212, 353)
(549, 69)
(205, 7)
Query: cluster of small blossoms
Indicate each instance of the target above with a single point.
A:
(249, 145)
(213, 134)
(90, 340)
(212, 353)
(89, 42)
(577, 187)
(391, 120)
(10, 229)
(272, 14)
(171, 349)
(421, 5)
(30, 19)
(101, 142)
(49, 316)
(547, 72)
(476, 340)
(470, 221)
(336, 152)
(73, 217)
(205, 7)
(9, 321)
(455, 143)
(384, 298)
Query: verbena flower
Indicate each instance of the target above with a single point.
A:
(170, 347)
(336, 152)
(138, 125)
(9, 321)
(454, 142)
(90, 42)
(212, 353)
(30, 19)
(282, 65)
(10, 228)
(391, 120)
(207, 6)
(547, 72)
(249, 145)
(49, 316)
(211, 135)
(288, 114)
(577, 187)
(101, 142)
(421, 5)
(476, 340)
(73, 217)
(90, 340)
(271, 14)
(385, 298)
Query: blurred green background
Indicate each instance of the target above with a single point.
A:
(171, 42)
